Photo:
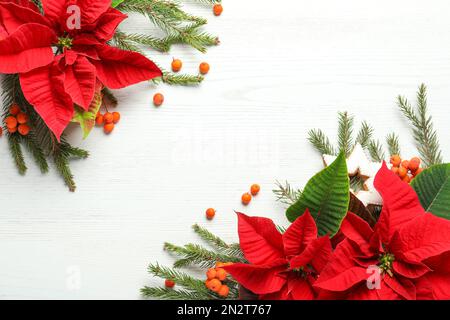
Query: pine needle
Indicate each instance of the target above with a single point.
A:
(345, 131)
(286, 194)
(393, 143)
(376, 150)
(425, 136)
(321, 142)
(364, 135)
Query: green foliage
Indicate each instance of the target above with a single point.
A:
(180, 27)
(41, 143)
(86, 119)
(433, 188)
(321, 142)
(393, 143)
(326, 195)
(286, 194)
(376, 150)
(427, 142)
(364, 135)
(345, 132)
(194, 255)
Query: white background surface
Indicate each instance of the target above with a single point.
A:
(283, 68)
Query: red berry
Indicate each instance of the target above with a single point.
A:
(158, 99)
(169, 284)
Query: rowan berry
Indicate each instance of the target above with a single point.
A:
(24, 129)
(158, 99)
(414, 164)
(204, 68)
(99, 120)
(11, 122)
(396, 160)
(221, 274)
(14, 109)
(108, 118)
(223, 291)
(254, 189)
(22, 118)
(213, 284)
(169, 283)
(402, 172)
(108, 128)
(210, 213)
(217, 9)
(116, 117)
(176, 65)
(246, 198)
(211, 273)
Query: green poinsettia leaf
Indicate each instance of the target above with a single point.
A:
(115, 3)
(326, 196)
(86, 119)
(433, 188)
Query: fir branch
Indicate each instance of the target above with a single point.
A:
(192, 288)
(393, 143)
(61, 159)
(171, 294)
(194, 254)
(345, 131)
(122, 39)
(180, 79)
(231, 250)
(16, 152)
(376, 150)
(286, 194)
(179, 26)
(36, 151)
(427, 142)
(364, 135)
(321, 142)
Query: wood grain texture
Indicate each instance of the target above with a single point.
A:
(281, 70)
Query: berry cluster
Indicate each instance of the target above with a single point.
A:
(247, 197)
(406, 170)
(17, 121)
(107, 120)
(216, 278)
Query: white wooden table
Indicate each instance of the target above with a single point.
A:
(283, 68)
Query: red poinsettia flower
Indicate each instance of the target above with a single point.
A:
(282, 266)
(406, 256)
(62, 54)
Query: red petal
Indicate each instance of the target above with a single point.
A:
(409, 270)
(12, 16)
(300, 289)
(27, 48)
(358, 231)
(422, 238)
(118, 68)
(23, 3)
(259, 279)
(341, 273)
(400, 203)
(259, 239)
(402, 287)
(44, 89)
(282, 294)
(80, 82)
(54, 9)
(106, 26)
(301, 232)
(317, 253)
(91, 10)
(434, 286)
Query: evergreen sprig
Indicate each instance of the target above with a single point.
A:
(198, 256)
(393, 142)
(286, 194)
(40, 142)
(425, 135)
(345, 131)
(180, 27)
(321, 142)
